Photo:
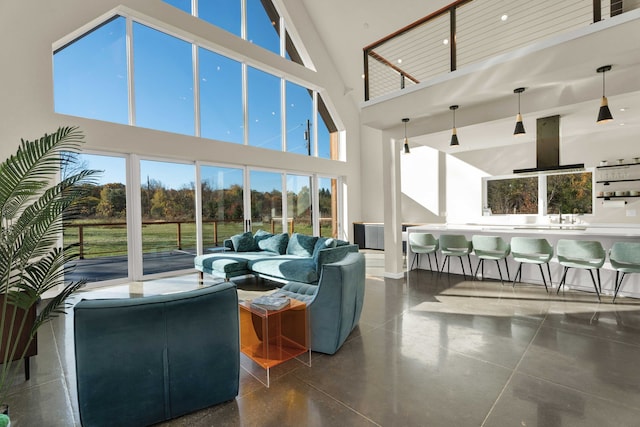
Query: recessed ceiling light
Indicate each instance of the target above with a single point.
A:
(445, 41)
(504, 17)
(362, 76)
(624, 108)
(621, 124)
(399, 61)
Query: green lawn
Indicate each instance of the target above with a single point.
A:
(111, 240)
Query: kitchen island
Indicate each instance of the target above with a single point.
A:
(576, 279)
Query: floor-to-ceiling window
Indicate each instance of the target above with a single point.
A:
(132, 70)
(266, 201)
(222, 204)
(99, 226)
(299, 203)
(167, 196)
(328, 206)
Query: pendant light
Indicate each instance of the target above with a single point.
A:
(519, 125)
(406, 141)
(454, 132)
(604, 115)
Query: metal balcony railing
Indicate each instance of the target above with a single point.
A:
(469, 31)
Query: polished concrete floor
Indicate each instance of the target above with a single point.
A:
(429, 351)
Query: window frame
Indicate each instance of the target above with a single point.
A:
(542, 191)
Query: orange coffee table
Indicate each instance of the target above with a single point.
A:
(271, 337)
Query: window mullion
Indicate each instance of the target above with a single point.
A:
(196, 89)
(130, 73)
(283, 113)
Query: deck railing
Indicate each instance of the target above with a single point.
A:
(98, 239)
(469, 31)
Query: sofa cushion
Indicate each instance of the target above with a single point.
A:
(301, 245)
(276, 244)
(243, 242)
(227, 262)
(289, 267)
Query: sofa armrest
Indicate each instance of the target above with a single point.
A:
(329, 255)
(300, 288)
(228, 244)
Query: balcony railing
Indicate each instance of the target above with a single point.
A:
(469, 31)
(106, 239)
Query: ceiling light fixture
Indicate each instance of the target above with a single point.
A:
(519, 125)
(406, 141)
(454, 132)
(504, 17)
(604, 115)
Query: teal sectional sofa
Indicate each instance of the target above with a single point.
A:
(277, 257)
(334, 304)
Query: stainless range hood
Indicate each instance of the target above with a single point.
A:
(548, 148)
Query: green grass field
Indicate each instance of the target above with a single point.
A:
(111, 240)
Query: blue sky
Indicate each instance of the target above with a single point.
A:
(90, 80)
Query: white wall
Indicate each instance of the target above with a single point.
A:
(589, 149)
(421, 185)
(371, 175)
(28, 28)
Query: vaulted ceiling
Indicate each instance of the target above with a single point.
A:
(560, 79)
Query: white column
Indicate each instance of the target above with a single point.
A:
(393, 257)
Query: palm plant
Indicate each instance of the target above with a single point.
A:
(35, 201)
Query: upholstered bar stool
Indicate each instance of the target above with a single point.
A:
(423, 243)
(531, 250)
(625, 258)
(585, 254)
(455, 245)
(491, 248)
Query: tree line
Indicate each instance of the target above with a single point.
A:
(109, 202)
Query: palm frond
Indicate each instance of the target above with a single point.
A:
(32, 166)
(34, 202)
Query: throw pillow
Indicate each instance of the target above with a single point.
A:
(323, 243)
(301, 245)
(276, 244)
(243, 242)
(261, 235)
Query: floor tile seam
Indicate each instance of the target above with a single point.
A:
(338, 401)
(513, 372)
(591, 336)
(590, 394)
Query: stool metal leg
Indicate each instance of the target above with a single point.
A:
(499, 271)
(543, 279)
(594, 283)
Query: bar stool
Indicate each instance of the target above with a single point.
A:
(625, 258)
(532, 250)
(458, 246)
(423, 243)
(491, 248)
(585, 254)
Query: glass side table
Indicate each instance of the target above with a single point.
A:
(271, 337)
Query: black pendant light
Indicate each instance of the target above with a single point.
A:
(406, 141)
(604, 115)
(454, 132)
(519, 125)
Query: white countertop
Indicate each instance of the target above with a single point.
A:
(613, 230)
